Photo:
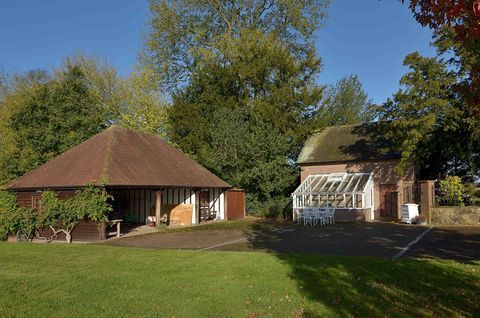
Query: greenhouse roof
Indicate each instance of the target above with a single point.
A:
(334, 183)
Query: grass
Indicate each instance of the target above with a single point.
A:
(59, 280)
(245, 225)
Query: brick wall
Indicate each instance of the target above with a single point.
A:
(456, 215)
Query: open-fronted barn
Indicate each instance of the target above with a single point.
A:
(145, 175)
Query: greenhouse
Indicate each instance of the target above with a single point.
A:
(337, 190)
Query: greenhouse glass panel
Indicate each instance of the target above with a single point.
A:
(338, 190)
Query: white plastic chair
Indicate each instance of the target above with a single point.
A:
(330, 215)
(319, 219)
(302, 215)
(308, 215)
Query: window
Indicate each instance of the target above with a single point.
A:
(36, 201)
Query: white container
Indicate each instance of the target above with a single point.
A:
(409, 212)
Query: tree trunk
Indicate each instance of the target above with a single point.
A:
(68, 236)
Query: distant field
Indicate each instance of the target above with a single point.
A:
(60, 280)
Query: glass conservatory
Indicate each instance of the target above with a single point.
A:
(337, 190)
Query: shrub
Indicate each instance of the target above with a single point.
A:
(22, 222)
(62, 215)
(272, 208)
(452, 190)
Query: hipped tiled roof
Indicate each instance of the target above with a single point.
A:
(120, 157)
(348, 143)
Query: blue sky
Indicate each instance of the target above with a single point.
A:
(369, 38)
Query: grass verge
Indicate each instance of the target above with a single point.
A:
(39, 280)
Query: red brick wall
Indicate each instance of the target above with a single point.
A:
(350, 215)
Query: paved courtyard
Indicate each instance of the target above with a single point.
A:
(350, 239)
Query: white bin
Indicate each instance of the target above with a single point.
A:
(409, 212)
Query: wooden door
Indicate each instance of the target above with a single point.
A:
(235, 204)
(204, 205)
(388, 202)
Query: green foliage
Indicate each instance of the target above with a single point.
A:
(346, 103)
(92, 203)
(62, 215)
(142, 106)
(21, 222)
(16, 82)
(43, 114)
(463, 57)
(133, 102)
(271, 208)
(189, 34)
(8, 205)
(452, 190)
(244, 74)
(44, 120)
(427, 121)
(231, 139)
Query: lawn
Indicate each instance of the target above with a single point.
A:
(249, 224)
(59, 280)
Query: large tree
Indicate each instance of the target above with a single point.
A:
(133, 102)
(15, 82)
(211, 122)
(41, 121)
(345, 103)
(185, 34)
(430, 122)
(267, 47)
(456, 27)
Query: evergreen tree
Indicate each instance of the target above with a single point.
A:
(430, 122)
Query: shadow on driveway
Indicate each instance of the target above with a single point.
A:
(461, 243)
(377, 239)
(348, 239)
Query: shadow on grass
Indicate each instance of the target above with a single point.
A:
(363, 286)
(369, 287)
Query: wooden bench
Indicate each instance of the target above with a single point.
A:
(118, 223)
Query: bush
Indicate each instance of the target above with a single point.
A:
(21, 222)
(471, 194)
(452, 190)
(8, 204)
(272, 208)
(60, 215)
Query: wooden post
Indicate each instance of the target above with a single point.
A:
(427, 198)
(194, 207)
(197, 207)
(102, 231)
(158, 207)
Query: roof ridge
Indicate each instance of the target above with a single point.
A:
(105, 176)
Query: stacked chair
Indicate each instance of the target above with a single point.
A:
(317, 216)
